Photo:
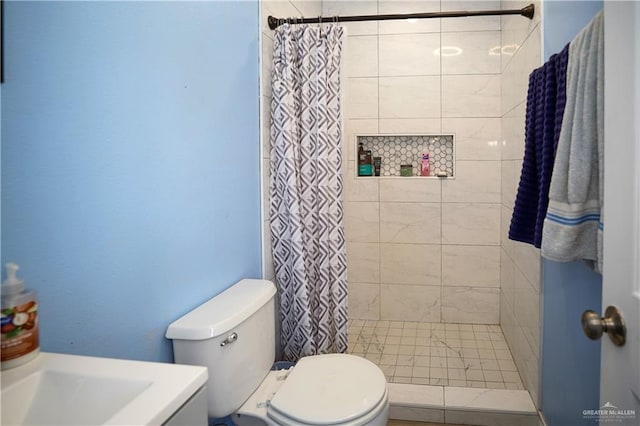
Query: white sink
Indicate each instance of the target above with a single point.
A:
(77, 390)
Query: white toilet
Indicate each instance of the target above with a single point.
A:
(233, 335)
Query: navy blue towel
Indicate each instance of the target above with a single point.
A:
(546, 99)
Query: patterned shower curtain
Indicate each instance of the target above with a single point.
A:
(306, 212)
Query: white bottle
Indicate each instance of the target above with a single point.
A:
(19, 338)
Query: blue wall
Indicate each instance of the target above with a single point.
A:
(130, 164)
(570, 361)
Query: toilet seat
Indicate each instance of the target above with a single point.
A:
(332, 389)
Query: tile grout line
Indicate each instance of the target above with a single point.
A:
(442, 186)
(377, 24)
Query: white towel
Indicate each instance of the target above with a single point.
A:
(573, 225)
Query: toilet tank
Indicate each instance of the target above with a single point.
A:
(237, 365)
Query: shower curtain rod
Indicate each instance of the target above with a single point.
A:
(276, 22)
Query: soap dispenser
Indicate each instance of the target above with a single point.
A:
(19, 339)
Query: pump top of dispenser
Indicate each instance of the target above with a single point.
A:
(13, 284)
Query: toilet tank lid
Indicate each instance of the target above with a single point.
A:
(223, 312)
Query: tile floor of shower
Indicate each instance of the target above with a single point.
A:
(467, 355)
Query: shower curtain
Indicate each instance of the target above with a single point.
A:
(306, 211)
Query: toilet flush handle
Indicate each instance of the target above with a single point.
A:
(230, 339)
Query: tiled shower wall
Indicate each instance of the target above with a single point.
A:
(424, 249)
(520, 263)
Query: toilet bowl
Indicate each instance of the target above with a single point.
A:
(332, 389)
(233, 335)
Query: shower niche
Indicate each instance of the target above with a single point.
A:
(401, 155)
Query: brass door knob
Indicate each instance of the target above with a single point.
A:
(612, 323)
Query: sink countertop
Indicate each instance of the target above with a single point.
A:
(146, 392)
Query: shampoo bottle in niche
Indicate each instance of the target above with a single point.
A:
(19, 338)
(364, 162)
(424, 166)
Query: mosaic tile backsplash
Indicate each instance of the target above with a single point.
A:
(397, 150)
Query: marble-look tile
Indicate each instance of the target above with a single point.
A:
(265, 125)
(308, 8)
(362, 222)
(409, 303)
(353, 128)
(361, 56)
(507, 322)
(526, 360)
(410, 190)
(475, 138)
(531, 373)
(527, 312)
(494, 400)
(477, 23)
(409, 54)
(363, 262)
(515, 76)
(268, 272)
(353, 7)
(508, 183)
(266, 196)
(516, 30)
(364, 301)
(402, 126)
(410, 264)
(505, 223)
(417, 223)
(471, 305)
(348, 169)
(521, 351)
(361, 96)
(527, 259)
(516, 341)
(476, 52)
(489, 418)
(517, 172)
(266, 65)
(471, 266)
(510, 46)
(416, 396)
(513, 124)
(410, 97)
(408, 25)
(513, 20)
(471, 95)
(360, 189)
(416, 414)
(471, 223)
(475, 182)
(507, 278)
